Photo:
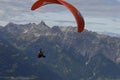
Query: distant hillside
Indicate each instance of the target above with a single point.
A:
(69, 55)
(16, 66)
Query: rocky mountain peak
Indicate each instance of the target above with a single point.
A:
(11, 25)
(88, 54)
(42, 23)
(56, 29)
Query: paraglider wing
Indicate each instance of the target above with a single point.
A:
(37, 4)
(78, 17)
(40, 3)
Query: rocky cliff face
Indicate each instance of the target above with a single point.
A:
(70, 55)
(85, 43)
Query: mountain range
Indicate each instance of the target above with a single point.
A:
(69, 55)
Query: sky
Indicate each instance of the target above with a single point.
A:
(99, 15)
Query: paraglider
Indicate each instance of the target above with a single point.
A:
(40, 54)
(78, 17)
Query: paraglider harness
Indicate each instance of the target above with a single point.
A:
(40, 54)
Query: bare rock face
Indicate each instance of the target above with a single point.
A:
(88, 54)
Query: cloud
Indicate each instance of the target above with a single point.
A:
(1, 12)
(92, 7)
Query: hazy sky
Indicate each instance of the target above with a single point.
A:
(99, 15)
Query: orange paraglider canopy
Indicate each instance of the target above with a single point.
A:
(78, 17)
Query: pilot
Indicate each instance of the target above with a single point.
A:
(40, 54)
